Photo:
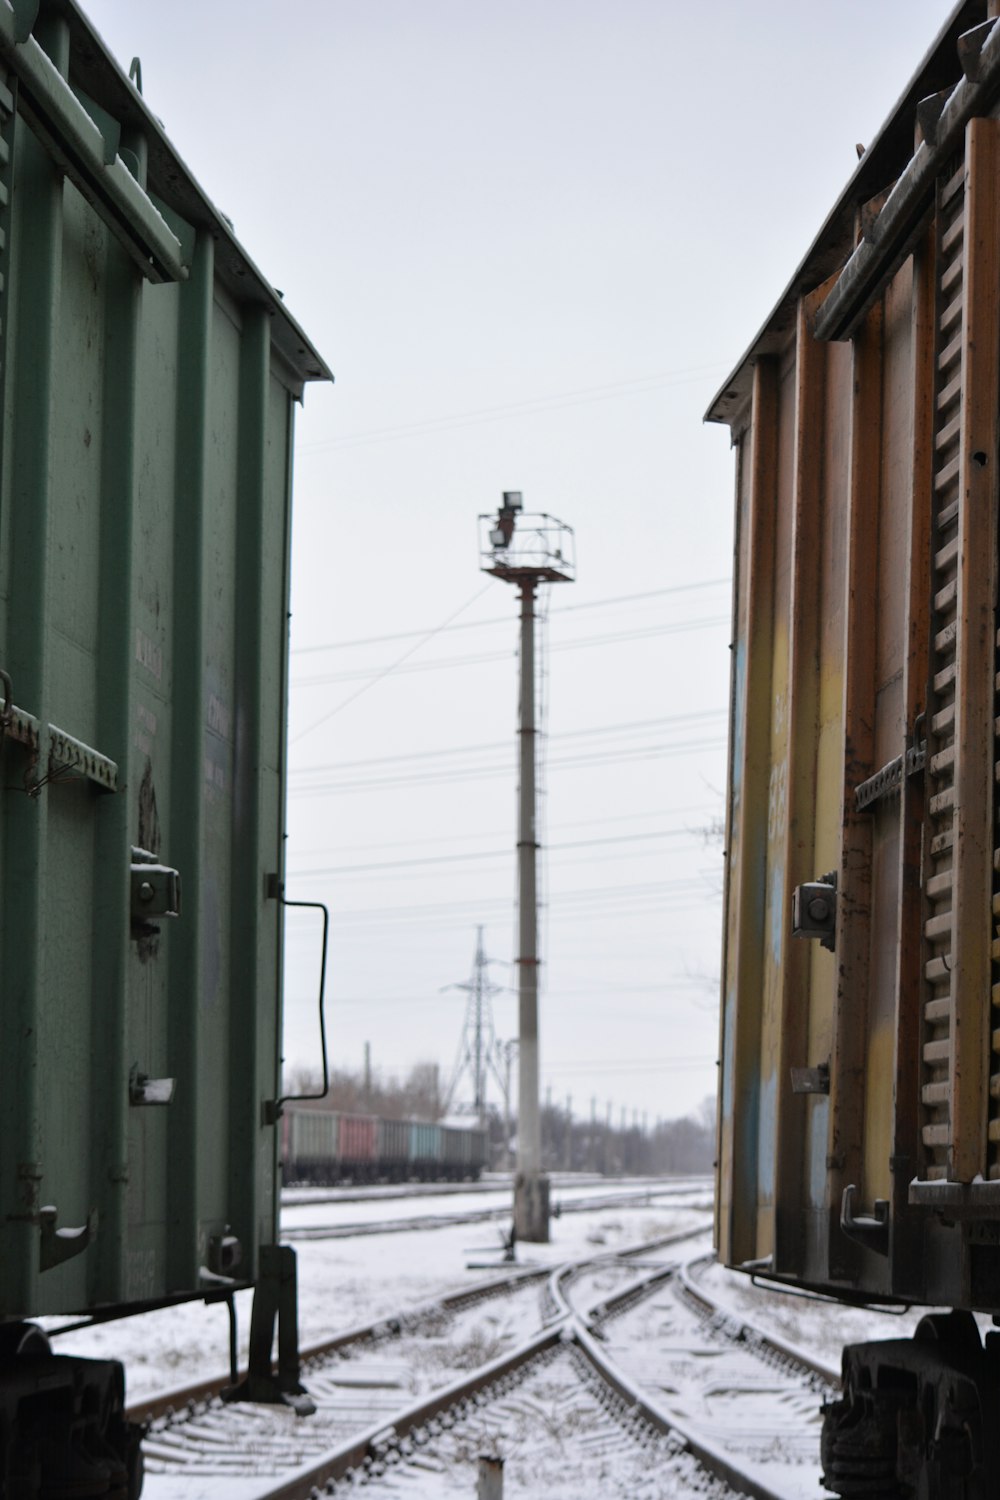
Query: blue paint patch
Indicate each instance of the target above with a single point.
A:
(728, 1054)
(766, 1133)
(777, 894)
(819, 1125)
(739, 701)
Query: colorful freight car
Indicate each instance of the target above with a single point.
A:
(149, 377)
(325, 1146)
(859, 1150)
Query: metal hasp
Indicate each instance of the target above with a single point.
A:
(156, 889)
(58, 1245)
(275, 1298)
(527, 550)
(143, 1090)
(814, 910)
(869, 1230)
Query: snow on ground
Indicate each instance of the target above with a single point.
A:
(347, 1282)
(314, 1212)
(344, 1283)
(815, 1325)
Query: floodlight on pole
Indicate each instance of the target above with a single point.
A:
(527, 550)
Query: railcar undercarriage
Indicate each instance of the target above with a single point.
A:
(919, 1417)
(63, 1430)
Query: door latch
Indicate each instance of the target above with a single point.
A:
(156, 889)
(814, 910)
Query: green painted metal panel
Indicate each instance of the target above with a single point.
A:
(148, 386)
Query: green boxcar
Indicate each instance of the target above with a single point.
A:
(424, 1149)
(312, 1144)
(149, 375)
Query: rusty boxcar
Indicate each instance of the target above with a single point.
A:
(859, 1137)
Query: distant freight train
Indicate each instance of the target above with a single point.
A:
(326, 1146)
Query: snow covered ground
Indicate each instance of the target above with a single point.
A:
(345, 1282)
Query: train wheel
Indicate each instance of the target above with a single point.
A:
(63, 1433)
(859, 1445)
(918, 1417)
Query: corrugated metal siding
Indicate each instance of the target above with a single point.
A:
(313, 1136)
(358, 1138)
(144, 514)
(424, 1142)
(393, 1142)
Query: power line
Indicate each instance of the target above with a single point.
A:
(361, 674)
(652, 1065)
(392, 667)
(403, 635)
(582, 896)
(610, 991)
(476, 854)
(564, 734)
(496, 833)
(621, 756)
(530, 406)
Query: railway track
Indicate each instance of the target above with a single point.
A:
(304, 1196)
(642, 1198)
(564, 1400)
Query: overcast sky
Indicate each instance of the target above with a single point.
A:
(531, 239)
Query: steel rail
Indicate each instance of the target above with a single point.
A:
(166, 1403)
(764, 1344)
(380, 1443)
(359, 1230)
(305, 1196)
(756, 1337)
(662, 1419)
(391, 1325)
(569, 1329)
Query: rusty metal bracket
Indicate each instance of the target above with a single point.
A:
(58, 1245)
(889, 780)
(66, 752)
(871, 1231)
(811, 1080)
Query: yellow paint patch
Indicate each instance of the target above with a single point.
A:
(880, 1070)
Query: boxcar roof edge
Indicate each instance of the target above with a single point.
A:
(94, 68)
(883, 161)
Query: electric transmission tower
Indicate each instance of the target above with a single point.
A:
(477, 1050)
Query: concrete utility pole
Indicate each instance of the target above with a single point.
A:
(527, 551)
(509, 1050)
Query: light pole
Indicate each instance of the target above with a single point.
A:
(527, 550)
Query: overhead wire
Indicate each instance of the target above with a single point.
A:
(361, 674)
(476, 854)
(392, 667)
(622, 727)
(453, 838)
(624, 755)
(527, 406)
(402, 635)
